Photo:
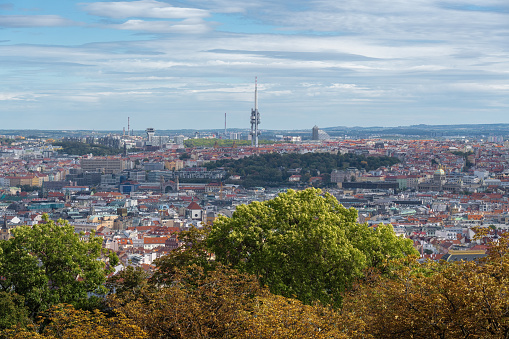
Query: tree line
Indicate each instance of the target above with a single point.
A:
(6, 141)
(80, 148)
(274, 169)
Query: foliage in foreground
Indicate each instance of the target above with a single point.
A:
(221, 304)
(63, 321)
(194, 253)
(437, 299)
(434, 300)
(303, 244)
(12, 310)
(48, 264)
(195, 305)
(193, 298)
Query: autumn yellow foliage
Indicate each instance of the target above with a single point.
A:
(65, 322)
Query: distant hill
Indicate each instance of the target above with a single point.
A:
(418, 131)
(468, 130)
(274, 169)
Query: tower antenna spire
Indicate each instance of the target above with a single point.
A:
(256, 94)
(255, 118)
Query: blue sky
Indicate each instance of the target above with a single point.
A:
(183, 64)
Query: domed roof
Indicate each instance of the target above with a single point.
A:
(440, 171)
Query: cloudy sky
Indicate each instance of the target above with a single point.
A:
(183, 64)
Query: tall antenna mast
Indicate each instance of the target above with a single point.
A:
(225, 126)
(255, 118)
(128, 127)
(256, 94)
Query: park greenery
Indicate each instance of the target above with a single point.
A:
(465, 155)
(221, 143)
(299, 266)
(29, 188)
(274, 169)
(80, 148)
(6, 141)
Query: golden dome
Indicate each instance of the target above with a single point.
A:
(439, 171)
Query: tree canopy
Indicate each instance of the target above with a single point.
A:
(399, 298)
(303, 244)
(194, 252)
(49, 263)
(273, 169)
(225, 303)
(465, 299)
(12, 310)
(63, 321)
(80, 148)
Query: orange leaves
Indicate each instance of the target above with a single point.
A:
(194, 305)
(436, 300)
(65, 322)
(279, 317)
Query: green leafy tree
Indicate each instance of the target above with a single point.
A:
(29, 188)
(379, 244)
(79, 148)
(271, 169)
(130, 279)
(303, 244)
(185, 156)
(193, 252)
(63, 321)
(49, 264)
(12, 310)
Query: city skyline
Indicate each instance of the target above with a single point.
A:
(183, 64)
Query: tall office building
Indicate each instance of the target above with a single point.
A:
(314, 133)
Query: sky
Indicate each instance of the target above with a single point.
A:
(183, 64)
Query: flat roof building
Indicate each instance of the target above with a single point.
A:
(104, 165)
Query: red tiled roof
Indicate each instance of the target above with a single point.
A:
(193, 206)
(158, 240)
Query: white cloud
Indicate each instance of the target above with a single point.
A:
(231, 6)
(19, 96)
(179, 19)
(482, 87)
(142, 9)
(10, 96)
(189, 26)
(18, 21)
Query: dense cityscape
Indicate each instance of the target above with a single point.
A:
(139, 201)
(254, 169)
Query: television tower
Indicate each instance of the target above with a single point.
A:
(255, 119)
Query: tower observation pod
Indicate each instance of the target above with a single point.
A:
(255, 119)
